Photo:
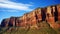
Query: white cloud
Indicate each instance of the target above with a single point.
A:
(9, 10)
(14, 5)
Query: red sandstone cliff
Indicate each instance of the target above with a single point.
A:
(51, 14)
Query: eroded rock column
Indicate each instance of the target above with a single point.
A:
(12, 21)
(38, 15)
(50, 16)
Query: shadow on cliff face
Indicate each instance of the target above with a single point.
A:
(3, 23)
(43, 14)
(56, 14)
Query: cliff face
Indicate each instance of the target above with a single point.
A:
(50, 14)
(5, 22)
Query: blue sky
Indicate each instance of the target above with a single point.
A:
(17, 8)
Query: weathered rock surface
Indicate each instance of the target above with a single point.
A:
(51, 14)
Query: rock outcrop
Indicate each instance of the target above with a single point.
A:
(50, 14)
(5, 22)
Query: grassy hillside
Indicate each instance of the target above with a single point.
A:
(44, 28)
